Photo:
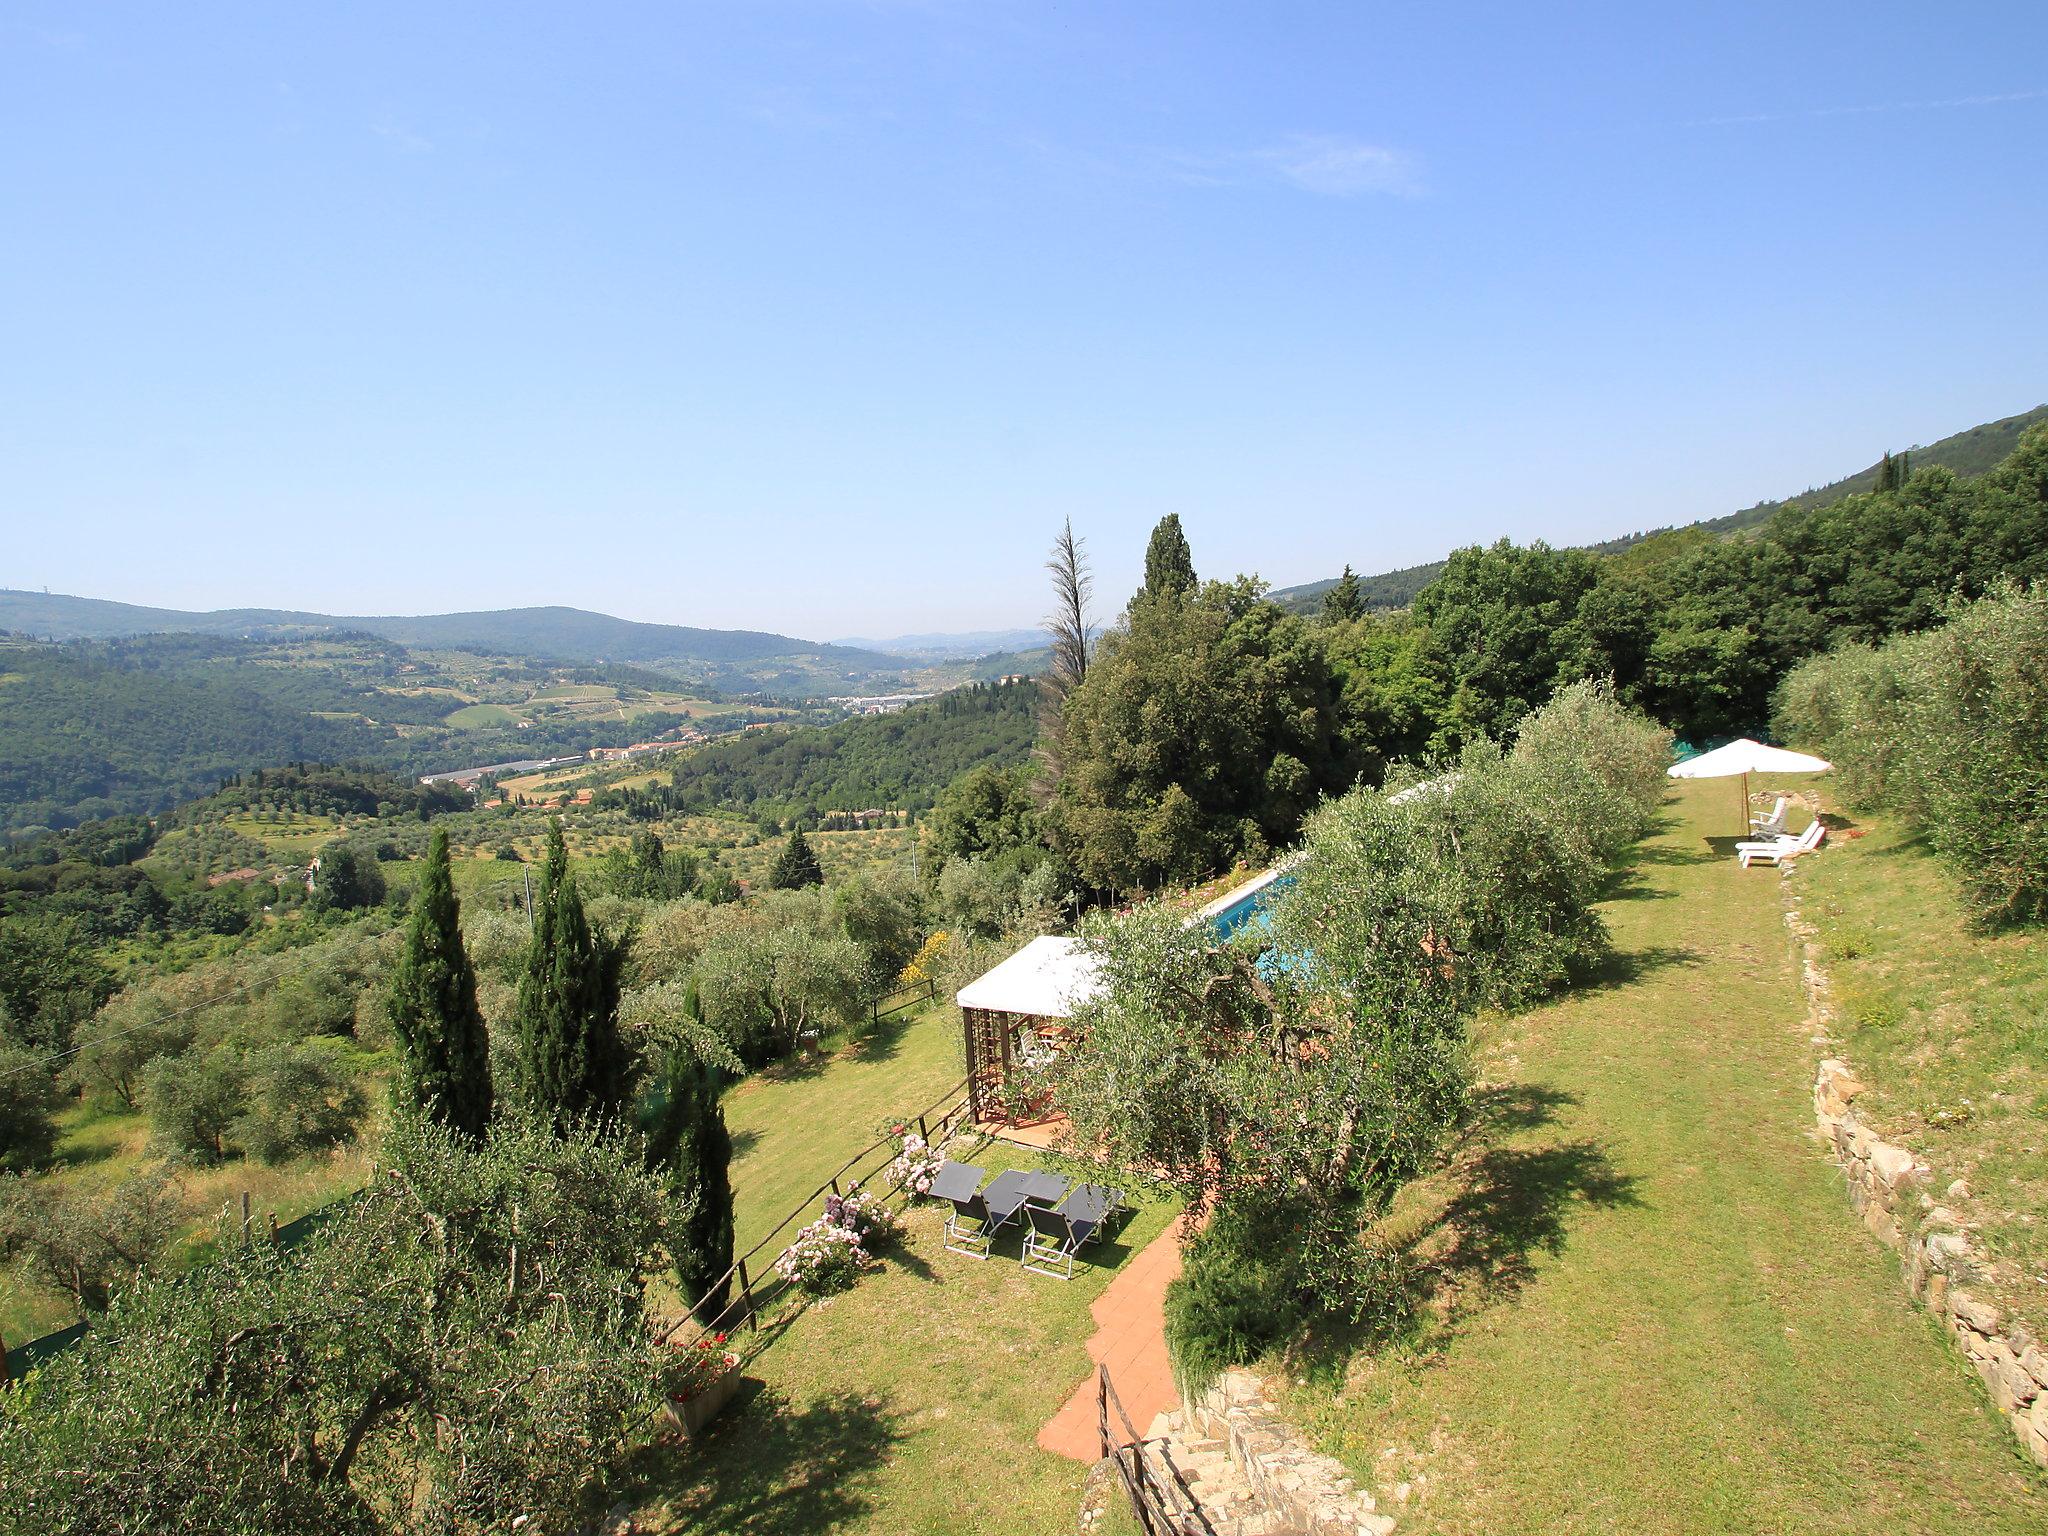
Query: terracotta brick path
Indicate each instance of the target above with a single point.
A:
(1130, 1334)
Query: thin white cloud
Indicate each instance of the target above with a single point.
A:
(1325, 164)
(1332, 166)
(1801, 113)
(399, 136)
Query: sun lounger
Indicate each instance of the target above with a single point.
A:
(1059, 1232)
(959, 1185)
(1006, 1198)
(1772, 825)
(1778, 849)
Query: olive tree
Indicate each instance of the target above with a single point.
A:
(460, 1348)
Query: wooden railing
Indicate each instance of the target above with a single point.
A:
(1159, 1495)
(749, 1292)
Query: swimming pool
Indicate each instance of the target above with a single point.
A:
(1249, 905)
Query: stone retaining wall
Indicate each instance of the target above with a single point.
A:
(1288, 1486)
(1889, 1187)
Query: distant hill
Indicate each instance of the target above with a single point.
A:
(964, 645)
(1967, 453)
(551, 634)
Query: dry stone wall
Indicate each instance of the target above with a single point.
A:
(1252, 1471)
(1890, 1189)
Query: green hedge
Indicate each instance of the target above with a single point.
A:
(1947, 729)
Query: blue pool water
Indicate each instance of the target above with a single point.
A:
(1250, 908)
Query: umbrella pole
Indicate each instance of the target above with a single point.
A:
(1742, 821)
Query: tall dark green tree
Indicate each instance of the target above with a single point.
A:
(1887, 474)
(1344, 601)
(797, 865)
(434, 1008)
(1169, 562)
(690, 1148)
(572, 1063)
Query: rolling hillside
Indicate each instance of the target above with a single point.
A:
(550, 634)
(1968, 453)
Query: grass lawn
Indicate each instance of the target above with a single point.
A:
(911, 1403)
(794, 1124)
(908, 1405)
(472, 715)
(97, 1149)
(1948, 1029)
(1648, 1306)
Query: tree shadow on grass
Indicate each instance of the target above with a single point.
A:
(1515, 1203)
(1622, 966)
(1629, 885)
(1502, 1107)
(769, 1467)
(1509, 1205)
(1677, 855)
(883, 1040)
(744, 1141)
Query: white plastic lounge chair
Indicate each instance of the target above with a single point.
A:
(1778, 849)
(1772, 825)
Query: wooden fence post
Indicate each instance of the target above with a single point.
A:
(747, 1295)
(245, 1218)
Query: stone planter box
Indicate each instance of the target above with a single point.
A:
(693, 1414)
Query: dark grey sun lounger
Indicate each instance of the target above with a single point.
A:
(1012, 1191)
(959, 1185)
(1058, 1233)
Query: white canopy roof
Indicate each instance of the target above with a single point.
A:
(1746, 756)
(1047, 979)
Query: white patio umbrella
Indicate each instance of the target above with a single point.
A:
(1745, 757)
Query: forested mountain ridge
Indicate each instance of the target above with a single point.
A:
(91, 729)
(898, 760)
(550, 633)
(1968, 453)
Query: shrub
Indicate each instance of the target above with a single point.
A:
(772, 991)
(88, 1245)
(301, 1099)
(1847, 705)
(193, 1098)
(1599, 765)
(1238, 1295)
(916, 1166)
(1949, 730)
(865, 1215)
(825, 1258)
(28, 1098)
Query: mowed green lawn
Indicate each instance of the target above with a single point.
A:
(907, 1406)
(1651, 1308)
(793, 1125)
(911, 1403)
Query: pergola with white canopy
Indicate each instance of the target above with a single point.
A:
(1030, 995)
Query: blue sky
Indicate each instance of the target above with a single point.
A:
(819, 317)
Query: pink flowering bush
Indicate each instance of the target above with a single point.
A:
(871, 1222)
(916, 1165)
(826, 1257)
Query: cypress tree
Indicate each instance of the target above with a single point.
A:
(688, 1142)
(1169, 563)
(572, 1063)
(1344, 601)
(1887, 474)
(433, 1006)
(796, 866)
